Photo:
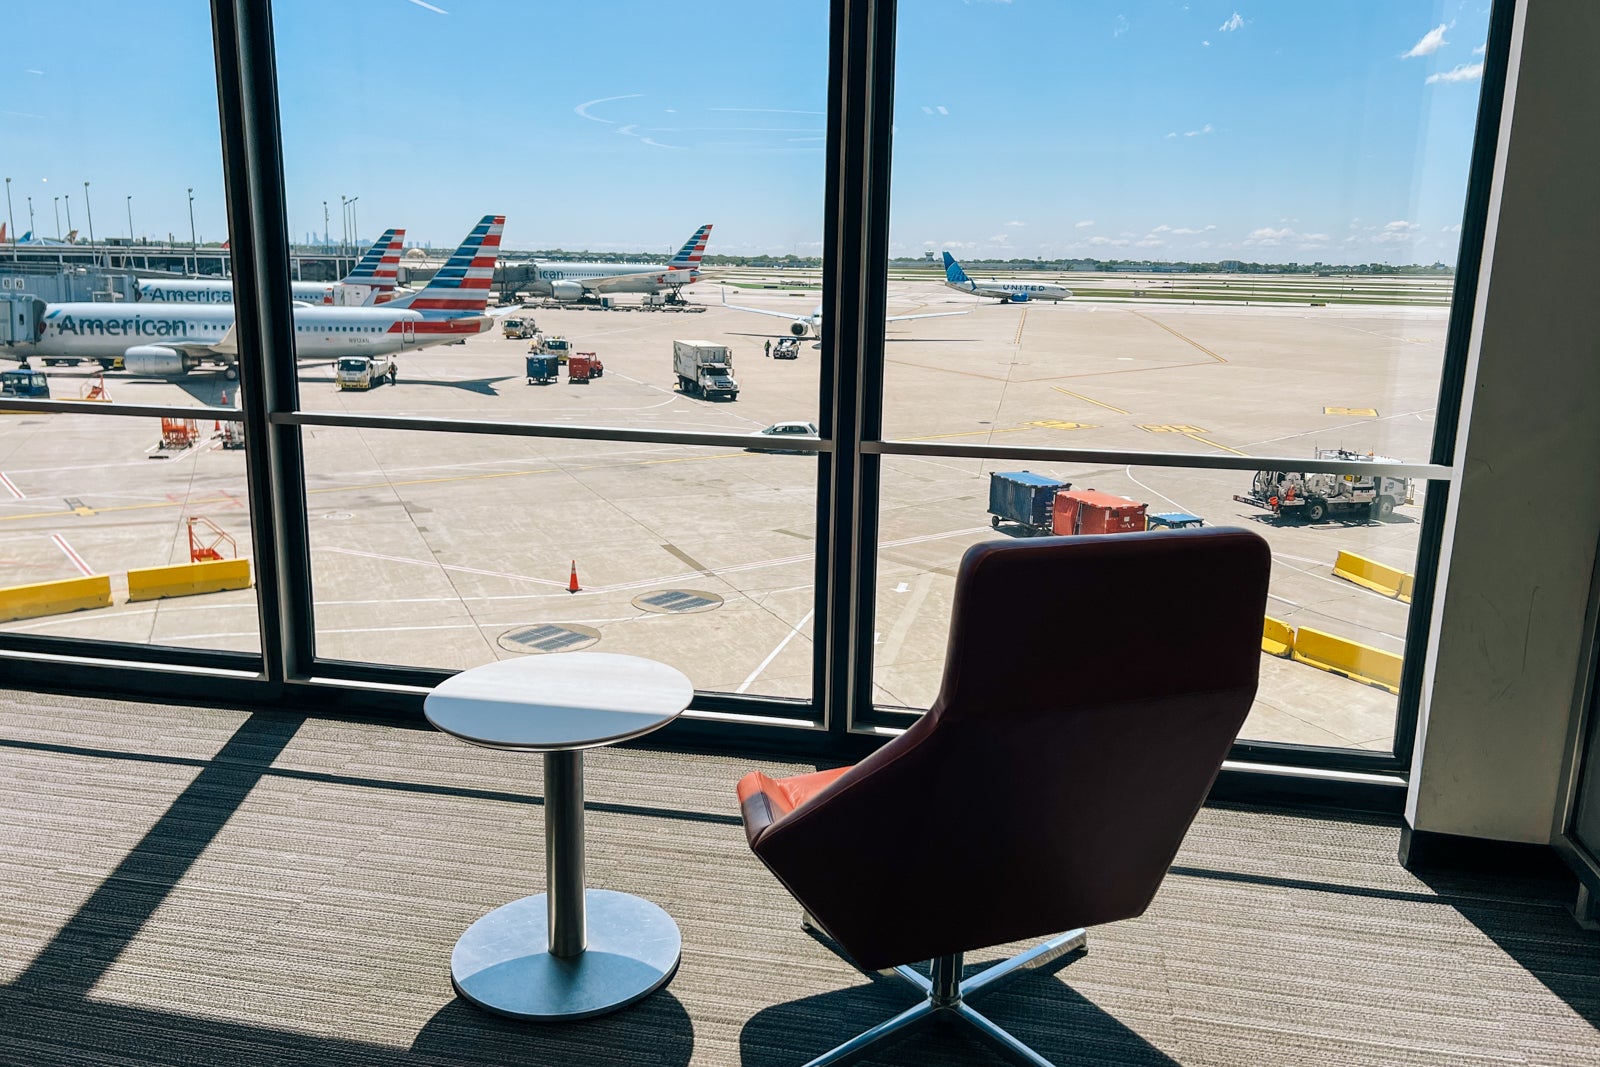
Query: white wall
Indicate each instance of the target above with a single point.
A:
(1525, 516)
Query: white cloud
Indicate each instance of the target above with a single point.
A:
(1314, 237)
(1171, 135)
(1163, 228)
(1000, 238)
(1478, 51)
(1101, 242)
(1450, 229)
(430, 7)
(1122, 26)
(1400, 226)
(1016, 223)
(1267, 237)
(1185, 231)
(1234, 23)
(1149, 242)
(1462, 72)
(1431, 42)
(1201, 132)
(1205, 44)
(1084, 225)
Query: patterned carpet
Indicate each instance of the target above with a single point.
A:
(182, 885)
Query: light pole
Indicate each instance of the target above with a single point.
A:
(68, 198)
(324, 225)
(355, 233)
(89, 210)
(11, 223)
(344, 221)
(130, 220)
(194, 245)
(30, 214)
(58, 217)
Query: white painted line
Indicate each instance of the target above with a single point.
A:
(901, 588)
(11, 487)
(1284, 599)
(773, 654)
(72, 554)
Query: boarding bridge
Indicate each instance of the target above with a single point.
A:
(58, 285)
(23, 320)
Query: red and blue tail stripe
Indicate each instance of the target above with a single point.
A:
(461, 287)
(688, 256)
(380, 266)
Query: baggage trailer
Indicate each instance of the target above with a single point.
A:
(1023, 498)
(1086, 511)
(542, 370)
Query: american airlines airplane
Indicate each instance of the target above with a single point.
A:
(160, 341)
(1007, 292)
(373, 279)
(575, 281)
(809, 325)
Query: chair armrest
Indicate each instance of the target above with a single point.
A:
(765, 801)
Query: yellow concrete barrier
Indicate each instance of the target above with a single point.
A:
(187, 579)
(1390, 581)
(55, 598)
(1358, 662)
(1277, 639)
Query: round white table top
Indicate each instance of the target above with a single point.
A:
(552, 703)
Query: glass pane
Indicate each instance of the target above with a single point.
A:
(117, 500)
(451, 550)
(114, 263)
(1256, 218)
(1339, 572)
(606, 214)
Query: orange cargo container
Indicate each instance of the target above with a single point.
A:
(1085, 511)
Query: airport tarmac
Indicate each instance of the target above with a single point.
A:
(448, 550)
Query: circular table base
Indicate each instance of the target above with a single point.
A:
(502, 963)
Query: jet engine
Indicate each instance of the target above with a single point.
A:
(155, 360)
(566, 291)
(1019, 298)
(799, 327)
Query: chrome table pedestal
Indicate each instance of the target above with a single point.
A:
(570, 952)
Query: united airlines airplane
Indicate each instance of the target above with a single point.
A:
(575, 281)
(371, 282)
(164, 341)
(1006, 292)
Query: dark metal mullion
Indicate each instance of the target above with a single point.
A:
(252, 156)
(853, 301)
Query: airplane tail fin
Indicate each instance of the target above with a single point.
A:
(380, 266)
(462, 285)
(2, 233)
(953, 272)
(688, 257)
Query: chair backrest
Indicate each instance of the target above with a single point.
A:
(1092, 688)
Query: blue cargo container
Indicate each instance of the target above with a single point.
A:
(1021, 497)
(543, 369)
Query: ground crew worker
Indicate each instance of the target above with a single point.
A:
(768, 347)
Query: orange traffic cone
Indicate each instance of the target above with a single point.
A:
(572, 583)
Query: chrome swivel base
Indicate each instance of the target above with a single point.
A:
(946, 997)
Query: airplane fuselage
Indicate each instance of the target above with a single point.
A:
(551, 278)
(180, 338)
(204, 291)
(1008, 291)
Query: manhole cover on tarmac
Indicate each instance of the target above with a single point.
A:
(677, 601)
(549, 637)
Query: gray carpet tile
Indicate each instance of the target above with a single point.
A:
(200, 886)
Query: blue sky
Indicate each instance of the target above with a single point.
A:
(1162, 129)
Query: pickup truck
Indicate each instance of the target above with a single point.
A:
(364, 372)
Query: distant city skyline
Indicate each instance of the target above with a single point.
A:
(1161, 129)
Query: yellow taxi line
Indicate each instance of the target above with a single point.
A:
(1091, 400)
(1179, 336)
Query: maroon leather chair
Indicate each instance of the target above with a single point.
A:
(1092, 687)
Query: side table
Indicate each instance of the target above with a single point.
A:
(570, 952)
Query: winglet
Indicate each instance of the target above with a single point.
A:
(953, 271)
(461, 287)
(688, 257)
